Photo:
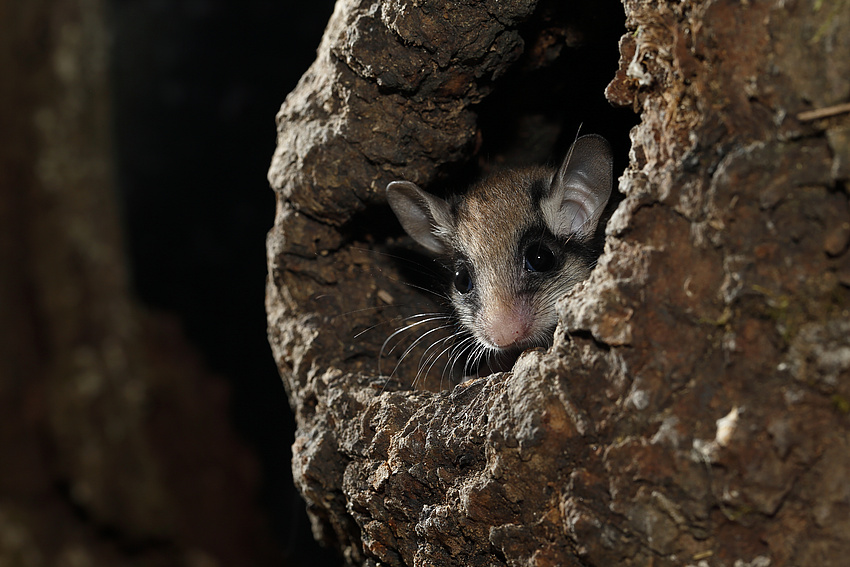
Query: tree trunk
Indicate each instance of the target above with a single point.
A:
(694, 406)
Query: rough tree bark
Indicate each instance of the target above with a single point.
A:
(694, 407)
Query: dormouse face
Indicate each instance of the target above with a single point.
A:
(516, 242)
(509, 266)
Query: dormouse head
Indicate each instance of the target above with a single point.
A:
(516, 242)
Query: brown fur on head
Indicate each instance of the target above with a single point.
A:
(517, 241)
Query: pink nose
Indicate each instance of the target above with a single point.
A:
(508, 327)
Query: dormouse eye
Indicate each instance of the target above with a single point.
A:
(463, 281)
(539, 258)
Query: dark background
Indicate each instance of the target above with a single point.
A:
(196, 86)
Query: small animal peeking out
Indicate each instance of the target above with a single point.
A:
(515, 243)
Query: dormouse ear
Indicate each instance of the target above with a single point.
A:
(426, 218)
(581, 188)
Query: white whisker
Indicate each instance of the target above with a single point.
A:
(407, 328)
(413, 345)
